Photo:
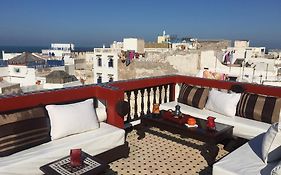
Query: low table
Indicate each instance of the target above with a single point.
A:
(91, 166)
(210, 137)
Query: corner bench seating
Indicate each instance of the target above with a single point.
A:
(243, 127)
(107, 142)
(244, 160)
(247, 158)
(93, 142)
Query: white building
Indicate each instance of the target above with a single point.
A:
(182, 46)
(27, 69)
(58, 49)
(105, 65)
(241, 43)
(135, 44)
(163, 38)
(275, 54)
(60, 46)
(261, 69)
(116, 45)
(4, 71)
(7, 56)
(243, 51)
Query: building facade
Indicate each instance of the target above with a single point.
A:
(105, 65)
(58, 49)
(133, 44)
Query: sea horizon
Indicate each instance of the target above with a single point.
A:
(37, 49)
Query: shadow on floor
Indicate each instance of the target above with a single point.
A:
(163, 153)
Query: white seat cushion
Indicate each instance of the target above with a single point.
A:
(243, 127)
(246, 160)
(93, 142)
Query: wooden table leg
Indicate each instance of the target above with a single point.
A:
(210, 152)
(141, 129)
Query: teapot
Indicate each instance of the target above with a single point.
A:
(211, 122)
(177, 111)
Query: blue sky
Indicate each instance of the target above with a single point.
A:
(94, 22)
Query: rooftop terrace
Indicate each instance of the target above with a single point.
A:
(160, 152)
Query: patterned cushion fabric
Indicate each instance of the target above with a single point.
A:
(193, 96)
(259, 107)
(23, 129)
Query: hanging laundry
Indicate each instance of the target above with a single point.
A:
(128, 61)
(131, 55)
(127, 54)
(226, 58)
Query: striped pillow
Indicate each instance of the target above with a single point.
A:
(259, 107)
(193, 96)
(23, 129)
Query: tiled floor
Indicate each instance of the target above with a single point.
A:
(161, 152)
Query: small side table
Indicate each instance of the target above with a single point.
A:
(90, 166)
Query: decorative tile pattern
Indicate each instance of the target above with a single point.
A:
(63, 167)
(163, 153)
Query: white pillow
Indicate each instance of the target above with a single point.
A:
(223, 103)
(271, 144)
(101, 112)
(72, 118)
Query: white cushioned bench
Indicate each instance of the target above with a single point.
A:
(256, 114)
(246, 160)
(243, 127)
(93, 142)
(107, 142)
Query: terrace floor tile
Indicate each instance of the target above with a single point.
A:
(161, 152)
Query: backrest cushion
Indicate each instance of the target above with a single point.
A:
(222, 102)
(23, 129)
(271, 149)
(72, 118)
(100, 109)
(193, 96)
(259, 107)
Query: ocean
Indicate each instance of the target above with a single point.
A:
(13, 49)
(20, 49)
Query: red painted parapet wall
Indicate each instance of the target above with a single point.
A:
(252, 88)
(25, 101)
(114, 92)
(173, 79)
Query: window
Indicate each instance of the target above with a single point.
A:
(99, 62)
(110, 62)
(110, 77)
(99, 79)
(17, 70)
